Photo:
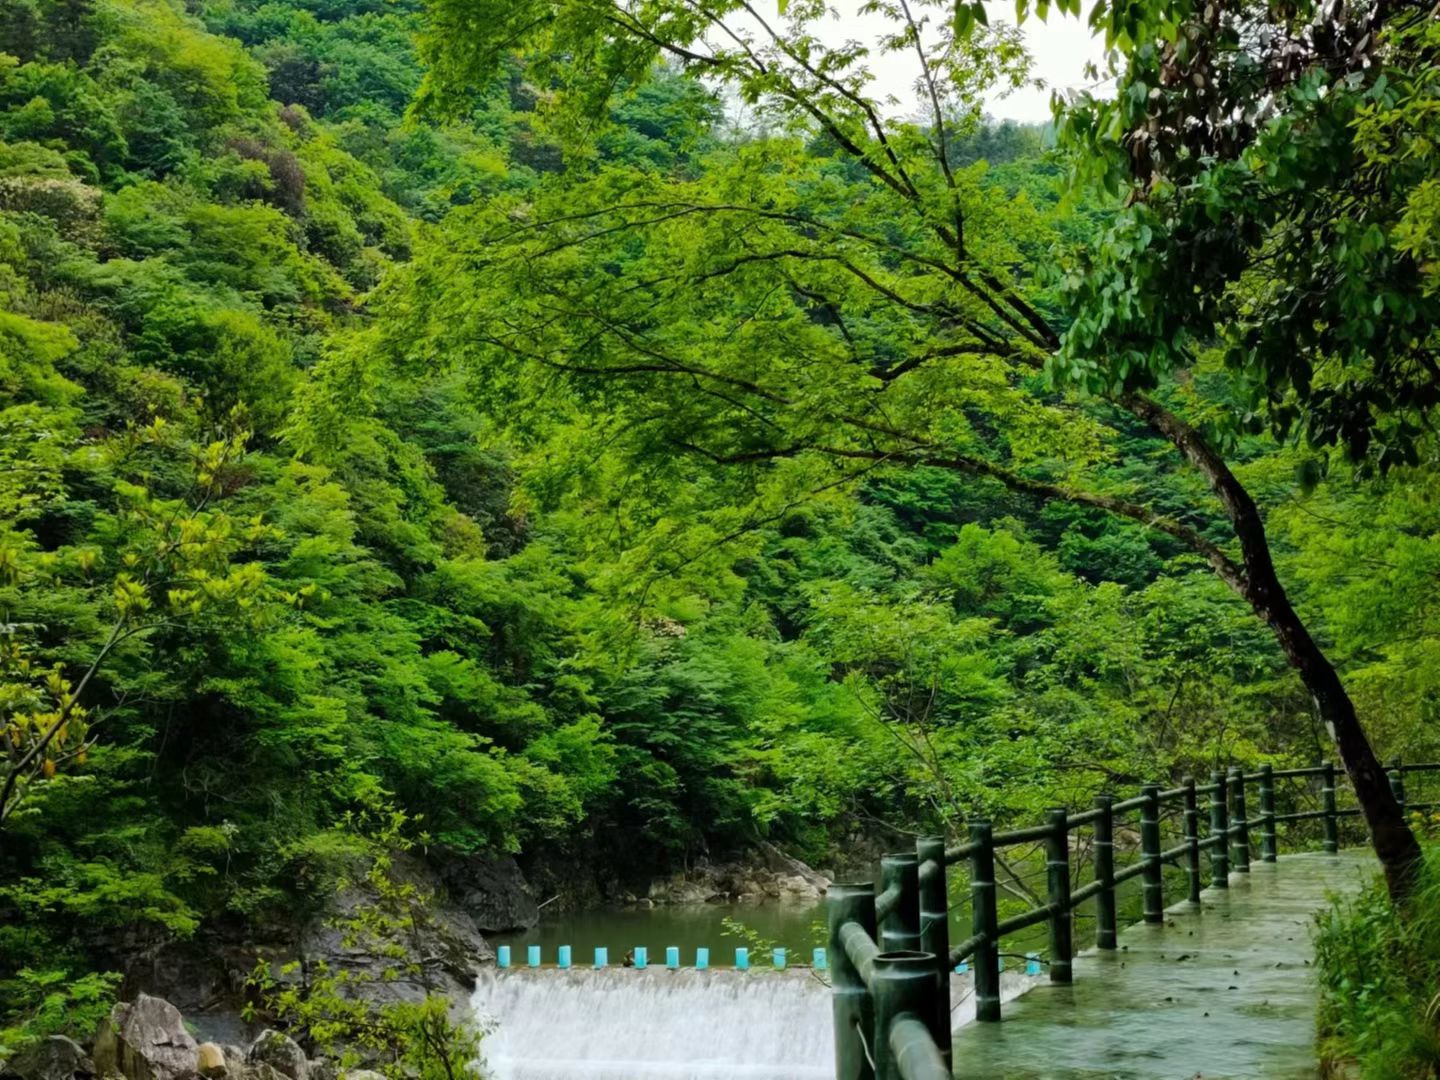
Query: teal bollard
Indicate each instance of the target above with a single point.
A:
(532, 955)
(502, 956)
(818, 960)
(1000, 964)
(702, 959)
(1032, 963)
(563, 956)
(602, 956)
(742, 959)
(777, 958)
(642, 956)
(672, 957)
(962, 968)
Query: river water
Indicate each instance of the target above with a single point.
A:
(796, 926)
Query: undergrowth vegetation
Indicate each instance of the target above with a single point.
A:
(1379, 972)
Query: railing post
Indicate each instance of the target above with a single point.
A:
(851, 1004)
(935, 933)
(1219, 828)
(1057, 866)
(1332, 819)
(1397, 783)
(983, 921)
(902, 983)
(1240, 825)
(900, 929)
(1105, 873)
(1150, 852)
(1192, 840)
(1267, 813)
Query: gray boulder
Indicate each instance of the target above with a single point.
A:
(203, 976)
(55, 1058)
(765, 872)
(493, 892)
(145, 1040)
(441, 943)
(281, 1053)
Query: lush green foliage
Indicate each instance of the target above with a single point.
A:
(1281, 195)
(309, 504)
(1378, 969)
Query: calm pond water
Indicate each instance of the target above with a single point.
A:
(798, 927)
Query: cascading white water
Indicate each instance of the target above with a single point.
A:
(623, 1024)
(655, 1024)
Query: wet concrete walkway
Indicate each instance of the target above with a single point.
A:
(1223, 991)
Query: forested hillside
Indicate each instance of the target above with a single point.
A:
(308, 515)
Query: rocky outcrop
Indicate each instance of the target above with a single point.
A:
(145, 1040)
(769, 874)
(206, 976)
(493, 892)
(281, 1053)
(55, 1058)
(788, 867)
(441, 943)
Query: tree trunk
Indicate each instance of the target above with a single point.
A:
(1259, 585)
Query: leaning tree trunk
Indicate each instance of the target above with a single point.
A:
(1259, 585)
(1392, 838)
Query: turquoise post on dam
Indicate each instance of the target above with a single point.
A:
(742, 959)
(532, 955)
(777, 958)
(818, 960)
(702, 959)
(502, 956)
(642, 956)
(602, 956)
(562, 956)
(672, 957)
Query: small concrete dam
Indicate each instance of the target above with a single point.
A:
(659, 1024)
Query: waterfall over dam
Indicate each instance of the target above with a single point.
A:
(657, 1024)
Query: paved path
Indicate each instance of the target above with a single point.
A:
(1224, 991)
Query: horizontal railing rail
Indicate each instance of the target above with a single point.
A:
(891, 952)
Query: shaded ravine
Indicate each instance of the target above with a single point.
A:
(1220, 991)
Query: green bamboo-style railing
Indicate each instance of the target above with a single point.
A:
(890, 953)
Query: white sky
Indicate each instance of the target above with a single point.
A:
(1060, 47)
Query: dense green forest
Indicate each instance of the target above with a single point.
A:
(501, 430)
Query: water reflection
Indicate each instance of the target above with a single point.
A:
(796, 927)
